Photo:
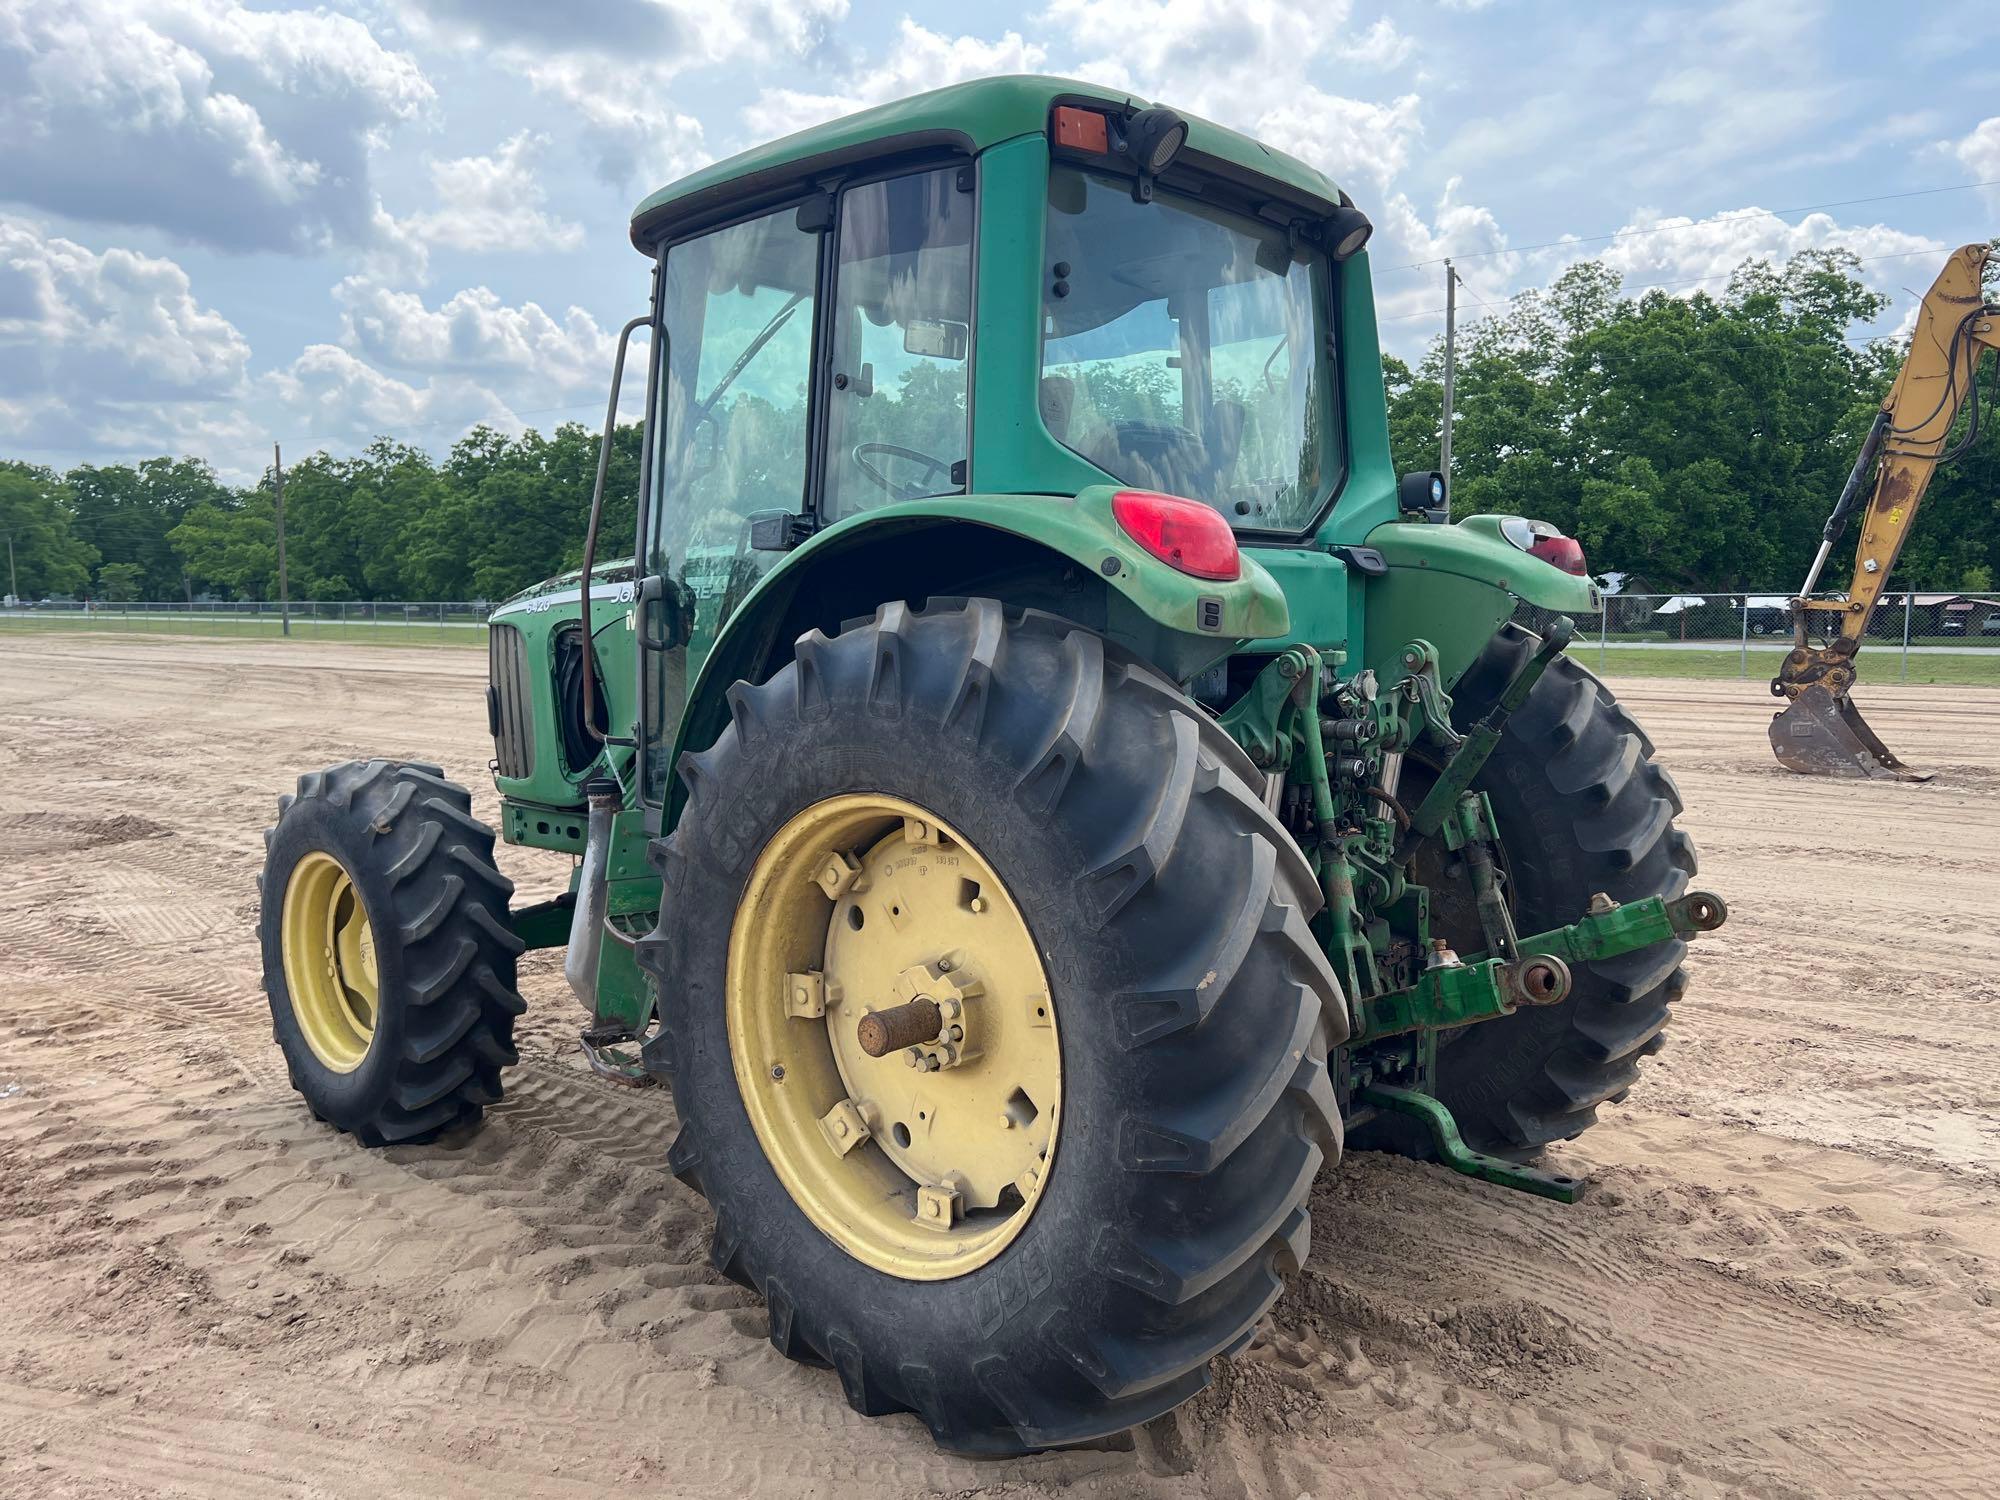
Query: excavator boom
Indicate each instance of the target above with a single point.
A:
(1820, 732)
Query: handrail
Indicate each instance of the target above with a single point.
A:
(590, 536)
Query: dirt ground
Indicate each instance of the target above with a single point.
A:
(1784, 1281)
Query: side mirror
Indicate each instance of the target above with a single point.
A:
(1424, 494)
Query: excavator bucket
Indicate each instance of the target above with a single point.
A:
(1823, 734)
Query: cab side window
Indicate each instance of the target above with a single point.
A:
(902, 319)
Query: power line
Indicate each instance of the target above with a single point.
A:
(1720, 218)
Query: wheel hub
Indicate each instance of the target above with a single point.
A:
(330, 968)
(894, 1036)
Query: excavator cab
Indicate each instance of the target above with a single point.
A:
(1820, 732)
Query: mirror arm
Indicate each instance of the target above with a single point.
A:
(590, 535)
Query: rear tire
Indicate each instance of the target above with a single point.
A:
(423, 1054)
(1581, 807)
(1194, 1011)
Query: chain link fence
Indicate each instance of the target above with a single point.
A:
(1753, 628)
(1758, 627)
(385, 622)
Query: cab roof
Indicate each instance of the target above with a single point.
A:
(965, 117)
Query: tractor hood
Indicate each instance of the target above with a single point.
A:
(611, 581)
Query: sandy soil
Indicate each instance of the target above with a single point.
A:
(1785, 1281)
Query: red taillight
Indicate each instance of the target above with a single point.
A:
(1184, 534)
(1564, 552)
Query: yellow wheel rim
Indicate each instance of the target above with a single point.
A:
(329, 950)
(925, 1161)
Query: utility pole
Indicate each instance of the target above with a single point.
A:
(13, 579)
(1451, 280)
(284, 594)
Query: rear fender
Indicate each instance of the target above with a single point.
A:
(1062, 554)
(1454, 586)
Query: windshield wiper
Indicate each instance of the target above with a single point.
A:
(750, 352)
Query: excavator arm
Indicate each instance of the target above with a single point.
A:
(1820, 732)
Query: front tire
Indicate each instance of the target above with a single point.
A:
(1193, 1011)
(388, 961)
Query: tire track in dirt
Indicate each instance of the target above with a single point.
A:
(585, 1285)
(1783, 1282)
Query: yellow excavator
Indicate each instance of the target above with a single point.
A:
(1820, 732)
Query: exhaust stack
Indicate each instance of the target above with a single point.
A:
(586, 924)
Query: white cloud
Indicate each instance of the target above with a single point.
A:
(1673, 254)
(1252, 66)
(633, 133)
(607, 27)
(666, 34)
(917, 60)
(1201, 52)
(491, 204)
(1655, 247)
(1980, 152)
(236, 128)
(474, 333)
(430, 372)
(1380, 46)
(79, 324)
(630, 133)
(1342, 137)
(1409, 300)
(756, 30)
(1247, 64)
(105, 348)
(1241, 63)
(336, 397)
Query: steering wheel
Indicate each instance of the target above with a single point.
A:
(916, 489)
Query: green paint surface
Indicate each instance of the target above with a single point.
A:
(973, 116)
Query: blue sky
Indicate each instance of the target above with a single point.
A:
(222, 224)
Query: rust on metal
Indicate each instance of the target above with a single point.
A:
(1542, 979)
(1822, 733)
(1704, 911)
(881, 1032)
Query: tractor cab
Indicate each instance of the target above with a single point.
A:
(1136, 300)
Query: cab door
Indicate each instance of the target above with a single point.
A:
(769, 406)
(731, 440)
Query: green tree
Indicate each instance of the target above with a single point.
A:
(49, 557)
(231, 544)
(1695, 440)
(125, 512)
(119, 582)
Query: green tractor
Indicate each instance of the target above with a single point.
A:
(1041, 783)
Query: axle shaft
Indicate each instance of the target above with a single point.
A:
(881, 1032)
